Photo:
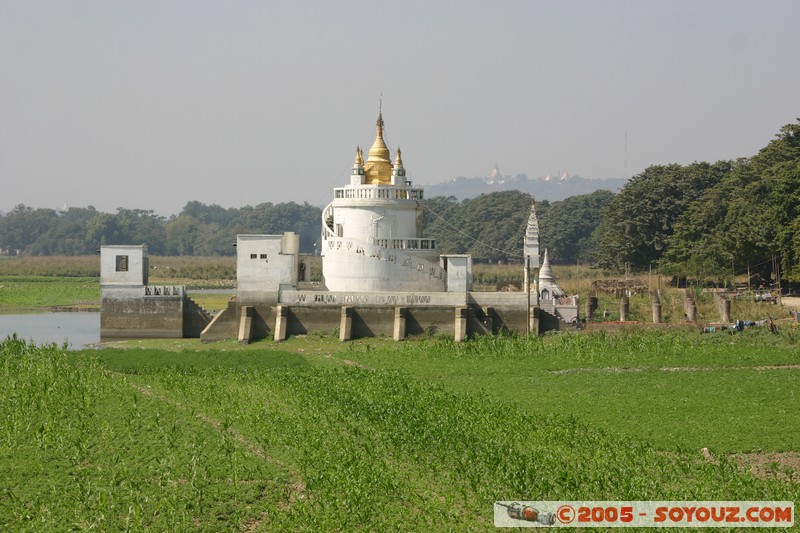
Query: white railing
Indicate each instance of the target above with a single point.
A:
(381, 193)
(327, 215)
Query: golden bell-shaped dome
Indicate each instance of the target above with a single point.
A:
(378, 168)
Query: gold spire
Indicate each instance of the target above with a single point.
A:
(378, 168)
(398, 161)
(359, 156)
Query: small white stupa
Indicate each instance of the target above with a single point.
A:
(548, 288)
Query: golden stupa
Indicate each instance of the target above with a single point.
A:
(378, 168)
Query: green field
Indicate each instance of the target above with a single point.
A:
(373, 435)
(38, 293)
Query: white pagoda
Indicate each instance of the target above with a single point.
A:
(372, 232)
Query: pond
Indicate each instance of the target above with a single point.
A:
(77, 329)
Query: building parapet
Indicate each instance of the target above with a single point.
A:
(377, 193)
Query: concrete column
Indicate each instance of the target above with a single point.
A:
(656, 303)
(400, 323)
(689, 306)
(725, 310)
(461, 324)
(656, 313)
(246, 325)
(624, 307)
(590, 307)
(281, 317)
(346, 324)
(535, 319)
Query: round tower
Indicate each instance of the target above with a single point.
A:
(372, 232)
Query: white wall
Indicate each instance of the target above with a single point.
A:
(136, 273)
(459, 272)
(266, 262)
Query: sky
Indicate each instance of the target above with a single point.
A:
(149, 104)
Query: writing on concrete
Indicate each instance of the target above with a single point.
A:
(392, 299)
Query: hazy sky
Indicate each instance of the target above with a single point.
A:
(150, 104)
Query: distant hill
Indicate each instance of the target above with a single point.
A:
(552, 189)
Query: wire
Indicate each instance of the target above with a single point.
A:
(475, 239)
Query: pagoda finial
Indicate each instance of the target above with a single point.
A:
(378, 166)
(398, 160)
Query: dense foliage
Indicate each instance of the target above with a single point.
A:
(199, 229)
(642, 216)
(711, 220)
(748, 216)
(492, 226)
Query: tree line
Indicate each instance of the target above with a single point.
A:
(199, 229)
(703, 220)
(711, 220)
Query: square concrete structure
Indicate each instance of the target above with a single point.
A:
(123, 265)
(266, 264)
(130, 308)
(459, 272)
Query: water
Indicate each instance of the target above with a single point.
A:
(78, 329)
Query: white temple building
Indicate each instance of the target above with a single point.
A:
(381, 276)
(372, 232)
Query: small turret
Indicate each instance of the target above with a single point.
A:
(398, 172)
(357, 175)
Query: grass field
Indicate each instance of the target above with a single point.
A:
(314, 434)
(33, 293)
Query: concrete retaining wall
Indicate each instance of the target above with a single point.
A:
(142, 318)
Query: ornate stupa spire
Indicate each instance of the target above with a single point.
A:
(546, 273)
(531, 243)
(378, 168)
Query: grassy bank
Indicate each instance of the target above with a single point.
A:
(352, 438)
(673, 389)
(39, 293)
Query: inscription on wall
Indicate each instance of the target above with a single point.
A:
(392, 299)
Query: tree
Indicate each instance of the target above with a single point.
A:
(639, 220)
(23, 225)
(491, 227)
(567, 228)
(750, 215)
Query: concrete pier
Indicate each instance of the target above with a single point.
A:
(400, 314)
(246, 325)
(281, 319)
(346, 324)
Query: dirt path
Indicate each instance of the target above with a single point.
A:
(783, 465)
(792, 302)
(615, 369)
(296, 485)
